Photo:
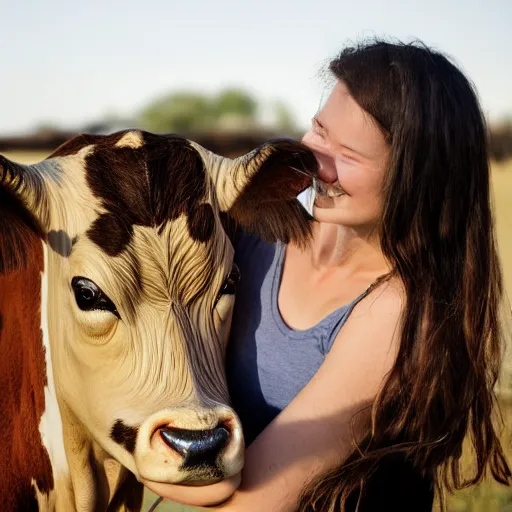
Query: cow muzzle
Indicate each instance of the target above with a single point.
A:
(193, 455)
(199, 448)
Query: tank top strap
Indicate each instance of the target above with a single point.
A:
(340, 320)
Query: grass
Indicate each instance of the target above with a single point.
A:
(502, 191)
(488, 496)
(26, 157)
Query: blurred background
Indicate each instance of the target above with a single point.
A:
(231, 74)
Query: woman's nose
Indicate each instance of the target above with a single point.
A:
(326, 162)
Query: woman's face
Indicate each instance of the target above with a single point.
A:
(353, 157)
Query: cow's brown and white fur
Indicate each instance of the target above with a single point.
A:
(85, 392)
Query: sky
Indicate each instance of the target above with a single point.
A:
(69, 63)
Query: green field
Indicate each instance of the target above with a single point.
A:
(487, 497)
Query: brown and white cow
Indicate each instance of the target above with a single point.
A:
(116, 292)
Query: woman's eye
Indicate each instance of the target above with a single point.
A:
(229, 285)
(90, 297)
(346, 160)
(318, 134)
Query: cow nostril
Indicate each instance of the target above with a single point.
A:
(197, 447)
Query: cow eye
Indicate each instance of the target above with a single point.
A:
(229, 285)
(90, 297)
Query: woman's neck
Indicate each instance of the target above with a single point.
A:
(338, 246)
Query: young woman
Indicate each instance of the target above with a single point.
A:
(359, 365)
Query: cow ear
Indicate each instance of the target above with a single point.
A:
(267, 182)
(23, 211)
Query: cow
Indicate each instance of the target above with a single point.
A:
(116, 292)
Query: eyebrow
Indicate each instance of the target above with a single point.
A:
(316, 122)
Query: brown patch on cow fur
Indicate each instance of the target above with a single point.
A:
(124, 435)
(16, 226)
(146, 186)
(201, 222)
(268, 205)
(22, 380)
(81, 141)
(177, 176)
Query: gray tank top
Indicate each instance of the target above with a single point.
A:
(268, 363)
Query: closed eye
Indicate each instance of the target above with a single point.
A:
(348, 160)
(317, 128)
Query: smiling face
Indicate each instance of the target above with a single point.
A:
(353, 156)
(140, 283)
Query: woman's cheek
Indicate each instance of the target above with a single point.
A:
(349, 177)
(358, 180)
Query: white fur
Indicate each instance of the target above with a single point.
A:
(132, 139)
(50, 425)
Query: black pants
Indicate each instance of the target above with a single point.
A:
(395, 486)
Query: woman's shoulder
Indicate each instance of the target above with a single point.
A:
(385, 298)
(374, 326)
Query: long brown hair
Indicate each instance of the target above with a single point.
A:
(437, 232)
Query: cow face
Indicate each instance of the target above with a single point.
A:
(140, 287)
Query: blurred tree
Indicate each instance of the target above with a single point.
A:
(45, 127)
(180, 112)
(235, 102)
(284, 118)
(232, 109)
(235, 110)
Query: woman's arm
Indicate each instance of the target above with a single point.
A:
(313, 433)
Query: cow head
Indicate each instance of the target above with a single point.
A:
(140, 282)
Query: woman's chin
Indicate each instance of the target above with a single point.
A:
(196, 495)
(327, 212)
